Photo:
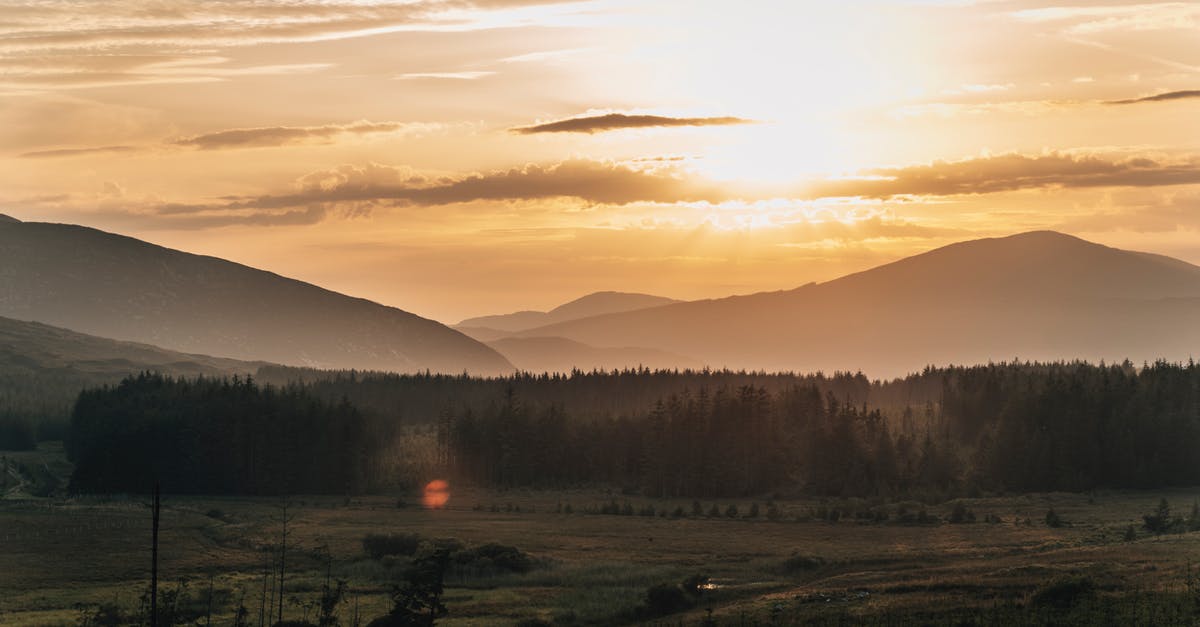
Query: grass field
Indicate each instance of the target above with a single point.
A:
(61, 558)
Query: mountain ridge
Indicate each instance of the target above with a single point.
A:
(594, 303)
(1038, 295)
(115, 286)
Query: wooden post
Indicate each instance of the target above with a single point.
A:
(208, 621)
(154, 561)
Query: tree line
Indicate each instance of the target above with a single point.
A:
(1009, 427)
(999, 427)
(217, 436)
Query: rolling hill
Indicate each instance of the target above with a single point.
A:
(594, 304)
(1039, 295)
(118, 287)
(43, 368)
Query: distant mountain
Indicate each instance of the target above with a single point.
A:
(1039, 295)
(487, 328)
(119, 287)
(556, 354)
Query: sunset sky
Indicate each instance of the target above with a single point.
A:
(462, 158)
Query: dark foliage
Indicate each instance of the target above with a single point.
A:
(215, 436)
(17, 433)
(418, 601)
(1000, 427)
(377, 545)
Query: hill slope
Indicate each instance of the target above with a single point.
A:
(36, 348)
(594, 304)
(119, 287)
(555, 354)
(43, 368)
(1038, 295)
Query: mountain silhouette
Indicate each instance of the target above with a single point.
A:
(118, 287)
(488, 328)
(1038, 296)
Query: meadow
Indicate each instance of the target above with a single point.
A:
(595, 554)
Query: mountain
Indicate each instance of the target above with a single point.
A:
(119, 287)
(487, 328)
(1039, 295)
(556, 354)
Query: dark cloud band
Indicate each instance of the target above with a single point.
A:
(617, 121)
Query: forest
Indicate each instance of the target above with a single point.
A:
(216, 436)
(942, 433)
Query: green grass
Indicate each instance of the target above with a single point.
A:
(59, 555)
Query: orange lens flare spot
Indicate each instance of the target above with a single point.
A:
(437, 492)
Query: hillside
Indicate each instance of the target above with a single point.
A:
(555, 354)
(43, 368)
(103, 284)
(1039, 295)
(595, 304)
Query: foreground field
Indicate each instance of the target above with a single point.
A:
(60, 559)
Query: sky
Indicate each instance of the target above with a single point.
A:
(459, 158)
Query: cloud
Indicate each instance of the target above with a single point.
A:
(615, 121)
(1142, 213)
(265, 136)
(283, 135)
(46, 45)
(1120, 17)
(1011, 172)
(1165, 96)
(77, 152)
(591, 181)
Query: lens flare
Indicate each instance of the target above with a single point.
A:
(437, 493)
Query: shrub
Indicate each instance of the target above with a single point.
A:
(663, 599)
(377, 545)
(798, 563)
(1160, 520)
(1053, 519)
(493, 557)
(753, 513)
(1064, 593)
(731, 511)
(961, 515)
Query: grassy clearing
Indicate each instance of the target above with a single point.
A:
(60, 555)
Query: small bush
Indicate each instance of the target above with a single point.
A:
(731, 511)
(377, 545)
(1053, 519)
(1064, 593)
(664, 599)
(753, 513)
(494, 557)
(1160, 520)
(798, 563)
(960, 514)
